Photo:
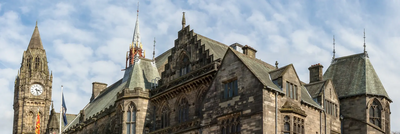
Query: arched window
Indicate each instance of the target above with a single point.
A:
(37, 62)
(375, 113)
(183, 112)
(185, 65)
(286, 125)
(131, 119)
(29, 63)
(30, 120)
(164, 117)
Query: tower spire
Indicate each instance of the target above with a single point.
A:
(136, 48)
(183, 21)
(36, 41)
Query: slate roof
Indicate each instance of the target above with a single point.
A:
(138, 75)
(354, 75)
(215, 48)
(315, 88)
(278, 72)
(261, 71)
(35, 42)
(162, 59)
(306, 98)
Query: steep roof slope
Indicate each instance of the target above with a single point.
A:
(354, 75)
(138, 75)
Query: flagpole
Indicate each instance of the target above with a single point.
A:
(61, 107)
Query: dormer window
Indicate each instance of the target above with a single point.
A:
(291, 90)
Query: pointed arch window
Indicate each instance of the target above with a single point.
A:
(185, 65)
(131, 119)
(183, 112)
(286, 125)
(29, 63)
(164, 117)
(375, 113)
(37, 62)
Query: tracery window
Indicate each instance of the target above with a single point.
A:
(230, 89)
(185, 66)
(286, 125)
(183, 112)
(230, 125)
(165, 117)
(375, 113)
(29, 63)
(295, 126)
(37, 62)
(131, 119)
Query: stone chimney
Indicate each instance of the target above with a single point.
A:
(315, 73)
(249, 51)
(97, 88)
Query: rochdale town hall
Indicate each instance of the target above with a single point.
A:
(202, 86)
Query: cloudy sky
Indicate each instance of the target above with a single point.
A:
(86, 41)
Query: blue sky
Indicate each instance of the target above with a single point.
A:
(86, 41)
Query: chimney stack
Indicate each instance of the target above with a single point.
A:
(315, 73)
(249, 51)
(97, 88)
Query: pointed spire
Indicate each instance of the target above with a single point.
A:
(183, 21)
(136, 34)
(154, 48)
(334, 52)
(36, 41)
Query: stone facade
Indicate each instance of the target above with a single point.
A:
(33, 88)
(203, 86)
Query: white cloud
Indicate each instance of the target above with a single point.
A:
(87, 41)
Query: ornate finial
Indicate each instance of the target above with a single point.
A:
(364, 41)
(154, 48)
(183, 21)
(36, 23)
(333, 57)
(137, 14)
(276, 64)
(52, 105)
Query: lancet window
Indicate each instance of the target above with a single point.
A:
(164, 117)
(183, 112)
(37, 62)
(375, 113)
(230, 125)
(131, 119)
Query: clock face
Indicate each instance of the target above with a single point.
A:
(36, 89)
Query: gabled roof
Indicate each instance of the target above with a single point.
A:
(306, 98)
(162, 59)
(217, 49)
(315, 88)
(354, 75)
(36, 41)
(258, 69)
(55, 117)
(138, 75)
(278, 72)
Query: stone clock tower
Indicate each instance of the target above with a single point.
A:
(32, 90)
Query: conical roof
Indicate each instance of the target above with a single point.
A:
(354, 75)
(36, 41)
